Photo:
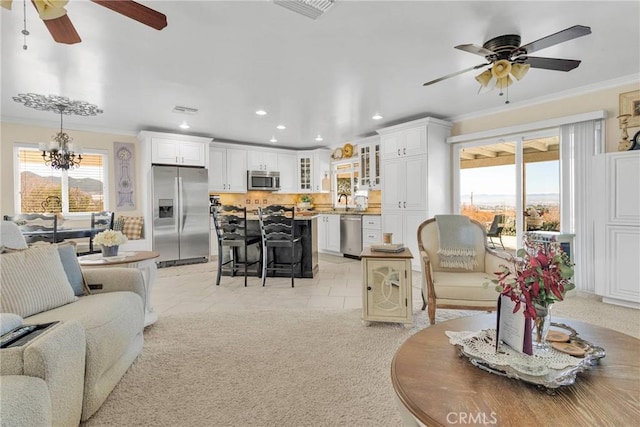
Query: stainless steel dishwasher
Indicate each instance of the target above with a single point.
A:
(351, 235)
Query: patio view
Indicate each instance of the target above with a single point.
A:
(488, 186)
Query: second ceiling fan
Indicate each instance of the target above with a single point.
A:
(54, 15)
(505, 57)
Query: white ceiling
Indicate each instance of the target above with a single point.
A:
(328, 76)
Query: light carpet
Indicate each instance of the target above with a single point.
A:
(269, 368)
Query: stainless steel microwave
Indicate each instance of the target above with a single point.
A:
(263, 180)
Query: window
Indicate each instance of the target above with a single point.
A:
(41, 188)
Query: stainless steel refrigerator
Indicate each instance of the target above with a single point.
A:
(180, 214)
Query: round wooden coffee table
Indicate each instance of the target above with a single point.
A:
(437, 387)
(142, 260)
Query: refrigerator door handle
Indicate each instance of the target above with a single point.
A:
(181, 213)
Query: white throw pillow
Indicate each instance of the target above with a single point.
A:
(32, 281)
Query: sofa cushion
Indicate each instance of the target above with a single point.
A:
(71, 267)
(464, 286)
(32, 281)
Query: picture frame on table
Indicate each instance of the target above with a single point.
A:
(630, 104)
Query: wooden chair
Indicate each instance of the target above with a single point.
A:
(231, 231)
(495, 230)
(36, 227)
(100, 221)
(277, 226)
(458, 288)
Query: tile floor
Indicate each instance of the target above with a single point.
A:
(192, 288)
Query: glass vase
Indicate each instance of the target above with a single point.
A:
(541, 326)
(109, 251)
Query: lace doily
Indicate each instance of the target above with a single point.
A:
(482, 345)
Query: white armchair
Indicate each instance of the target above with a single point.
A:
(457, 288)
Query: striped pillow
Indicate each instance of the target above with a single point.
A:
(32, 281)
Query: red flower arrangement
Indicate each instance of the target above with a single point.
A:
(540, 276)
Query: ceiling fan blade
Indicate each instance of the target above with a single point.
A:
(454, 74)
(559, 37)
(136, 11)
(62, 30)
(552, 63)
(475, 49)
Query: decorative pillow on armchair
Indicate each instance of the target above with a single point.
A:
(32, 281)
(132, 227)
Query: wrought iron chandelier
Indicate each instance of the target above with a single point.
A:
(60, 153)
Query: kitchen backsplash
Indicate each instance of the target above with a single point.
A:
(321, 201)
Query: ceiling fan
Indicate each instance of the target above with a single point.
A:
(506, 57)
(54, 16)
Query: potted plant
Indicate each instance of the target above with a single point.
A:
(305, 201)
(110, 240)
(541, 274)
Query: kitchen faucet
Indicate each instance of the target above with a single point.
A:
(346, 208)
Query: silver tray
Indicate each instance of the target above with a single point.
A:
(553, 378)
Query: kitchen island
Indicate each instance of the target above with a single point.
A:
(306, 226)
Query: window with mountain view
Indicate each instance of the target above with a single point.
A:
(43, 189)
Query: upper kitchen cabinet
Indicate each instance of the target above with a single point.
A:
(260, 160)
(178, 152)
(227, 169)
(313, 167)
(288, 172)
(409, 142)
(369, 155)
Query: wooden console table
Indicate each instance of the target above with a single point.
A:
(142, 260)
(437, 387)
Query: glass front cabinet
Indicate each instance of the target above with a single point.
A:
(369, 165)
(386, 281)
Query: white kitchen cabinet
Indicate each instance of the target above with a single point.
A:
(617, 228)
(415, 177)
(369, 154)
(260, 160)
(288, 175)
(371, 230)
(329, 233)
(177, 152)
(227, 170)
(387, 287)
(313, 167)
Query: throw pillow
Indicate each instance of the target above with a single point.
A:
(132, 227)
(118, 224)
(10, 236)
(69, 259)
(32, 281)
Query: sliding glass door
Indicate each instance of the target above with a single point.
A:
(515, 181)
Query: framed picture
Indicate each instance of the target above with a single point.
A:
(630, 104)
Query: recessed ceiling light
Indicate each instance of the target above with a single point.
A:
(318, 138)
(184, 125)
(261, 113)
(281, 127)
(273, 139)
(376, 117)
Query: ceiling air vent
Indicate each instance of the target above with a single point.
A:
(310, 8)
(184, 110)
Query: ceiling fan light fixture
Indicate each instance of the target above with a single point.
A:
(501, 69)
(504, 82)
(484, 78)
(51, 9)
(519, 70)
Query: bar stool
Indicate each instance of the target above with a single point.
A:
(231, 229)
(277, 227)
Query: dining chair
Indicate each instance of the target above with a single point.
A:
(231, 230)
(452, 282)
(100, 221)
(495, 230)
(277, 227)
(36, 227)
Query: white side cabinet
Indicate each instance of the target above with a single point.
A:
(371, 230)
(178, 152)
(617, 228)
(287, 163)
(386, 287)
(329, 233)
(227, 169)
(415, 177)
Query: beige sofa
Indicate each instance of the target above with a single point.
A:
(81, 359)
